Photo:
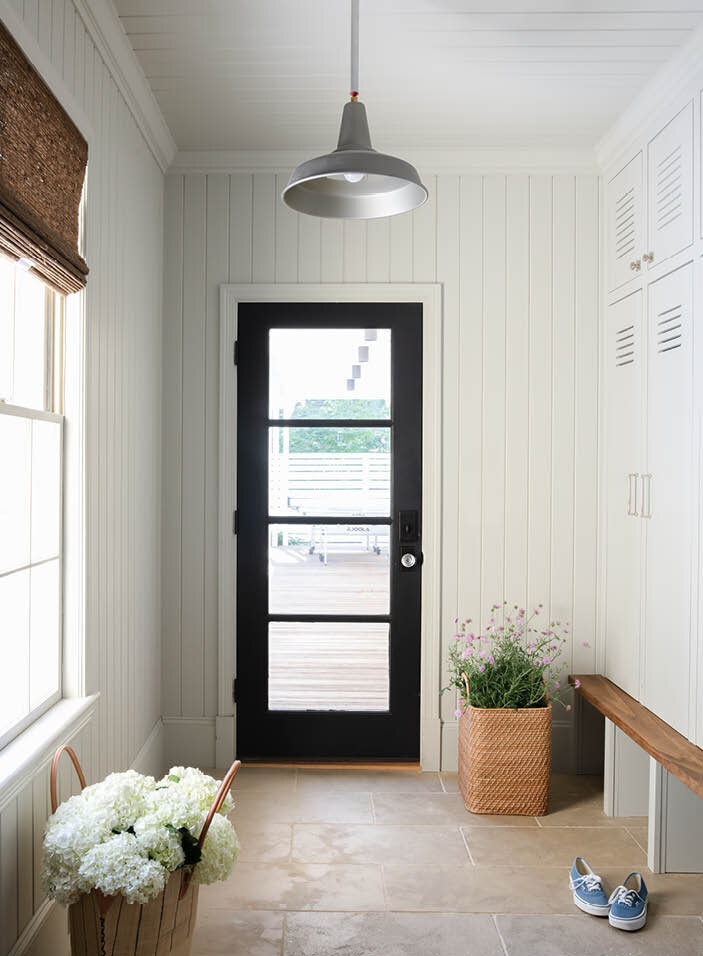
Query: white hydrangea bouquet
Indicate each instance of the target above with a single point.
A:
(126, 836)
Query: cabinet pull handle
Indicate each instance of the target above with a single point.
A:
(646, 496)
(636, 265)
(630, 511)
(647, 257)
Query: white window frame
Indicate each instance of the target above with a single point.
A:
(54, 313)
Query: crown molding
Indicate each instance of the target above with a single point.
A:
(681, 76)
(558, 159)
(106, 31)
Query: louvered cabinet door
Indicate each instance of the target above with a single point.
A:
(670, 188)
(624, 430)
(624, 219)
(667, 498)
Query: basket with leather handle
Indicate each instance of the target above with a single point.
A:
(110, 926)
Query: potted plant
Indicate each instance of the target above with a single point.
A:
(128, 855)
(507, 677)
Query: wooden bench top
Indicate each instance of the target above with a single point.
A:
(668, 747)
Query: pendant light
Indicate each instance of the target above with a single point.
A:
(354, 181)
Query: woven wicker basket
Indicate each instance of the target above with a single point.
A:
(505, 759)
(109, 926)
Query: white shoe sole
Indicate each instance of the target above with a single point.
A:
(590, 908)
(630, 925)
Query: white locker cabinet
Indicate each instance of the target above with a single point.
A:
(667, 506)
(624, 427)
(670, 189)
(624, 223)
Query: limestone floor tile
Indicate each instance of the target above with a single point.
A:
(270, 842)
(579, 934)
(390, 934)
(298, 886)
(554, 846)
(450, 782)
(583, 810)
(267, 779)
(380, 781)
(670, 894)
(302, 807)
(436, 809)
(224, 933)
(641, 834)
(478, 889)
(324, 843)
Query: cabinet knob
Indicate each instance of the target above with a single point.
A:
(648, 257)
(636, 265)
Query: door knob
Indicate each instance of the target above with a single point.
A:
(636, 265)
(408, 560)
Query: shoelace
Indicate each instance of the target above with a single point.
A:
(590, 881)
(621, 894)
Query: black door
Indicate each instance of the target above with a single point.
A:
(329, 494)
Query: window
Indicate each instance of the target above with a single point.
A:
(31, 439)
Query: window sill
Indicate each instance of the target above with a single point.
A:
(25, 755)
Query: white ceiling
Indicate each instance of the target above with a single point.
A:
(273, 74)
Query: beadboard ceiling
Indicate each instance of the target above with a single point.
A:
(273, 74)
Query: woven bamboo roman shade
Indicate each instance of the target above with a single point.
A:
(43, 159)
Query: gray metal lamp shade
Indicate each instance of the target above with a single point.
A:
(354, 182)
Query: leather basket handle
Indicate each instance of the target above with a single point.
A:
(55, 769)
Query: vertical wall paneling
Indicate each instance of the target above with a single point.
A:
(286, 256)
(517, 340)
(378, 250)
(448, 271)
(585, 424)
(540, 392)
(562, 501)
(217, 263)
(193, 510)
(240, 228)
(470, 398)
(8, 876)
(332, 250)
(172, 442)
(494, 393)
(517, 259)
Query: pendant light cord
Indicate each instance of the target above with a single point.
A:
(354, 93)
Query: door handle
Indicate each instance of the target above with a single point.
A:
(646, 496)
(630, 511)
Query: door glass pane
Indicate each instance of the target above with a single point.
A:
(330, 373)
(323, 666)
(329, 569)
(330, 471)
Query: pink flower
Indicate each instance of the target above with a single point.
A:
(457, 637)
(481, 668)
(577, 683)
(457, 712)
(465, 653)
(557, 684)
(568, 706)
(547, 660)
(456, 620)
(585, 644)
(491, 659)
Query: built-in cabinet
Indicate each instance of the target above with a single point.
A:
(649, 594)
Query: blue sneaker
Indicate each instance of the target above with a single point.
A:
(587, 887)
(628, 909)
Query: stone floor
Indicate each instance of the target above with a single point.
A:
(389, 863)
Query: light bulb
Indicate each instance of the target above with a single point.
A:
(354, 177)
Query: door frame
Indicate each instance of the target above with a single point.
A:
(429, 295)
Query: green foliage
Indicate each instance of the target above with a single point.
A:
(512, 664)
(192, 851)
(340, 441)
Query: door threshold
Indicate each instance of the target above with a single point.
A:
(336, 764)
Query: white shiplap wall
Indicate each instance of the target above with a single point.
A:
(518, 259)
(124, 249)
